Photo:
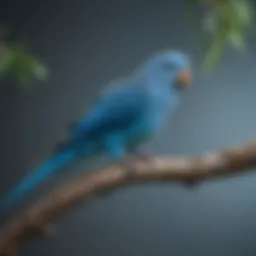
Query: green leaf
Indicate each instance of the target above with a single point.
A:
(210, 23)
(16, 62)
(22, 66)
(226, 23)
(243, 11)
(237, 40)
(213, 54)
(38, 69)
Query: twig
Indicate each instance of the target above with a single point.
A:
(37, 220)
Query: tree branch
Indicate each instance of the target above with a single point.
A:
(37, 219)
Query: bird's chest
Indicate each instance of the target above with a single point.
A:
(159, 107)
(148, 124)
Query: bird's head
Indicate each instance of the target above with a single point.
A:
(172, 67)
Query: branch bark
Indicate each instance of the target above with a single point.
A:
(37, 219)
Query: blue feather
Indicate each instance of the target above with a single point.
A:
(37, 176)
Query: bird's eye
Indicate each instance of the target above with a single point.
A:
(168, 66)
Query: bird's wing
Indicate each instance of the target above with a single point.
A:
(116, 111)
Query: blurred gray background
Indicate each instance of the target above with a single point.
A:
(86, 44)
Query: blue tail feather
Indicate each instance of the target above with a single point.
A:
(37, 176)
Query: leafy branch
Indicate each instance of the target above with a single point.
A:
(18, 64)
(225, 23)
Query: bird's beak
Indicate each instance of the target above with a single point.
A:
(184, 79)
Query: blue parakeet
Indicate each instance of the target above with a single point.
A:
(121, 119)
